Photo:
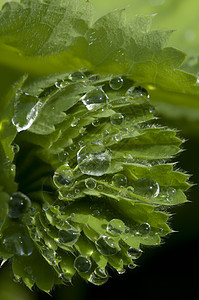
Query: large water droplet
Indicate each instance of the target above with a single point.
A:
(94, 98)
(18, 204)
(137, 92)
(15, 240)
(63, 176)
(117, 118)
(119, 180)
(144, 228)
(93, 159)
(68, 236)
(147, 187)
(26, 111)
(82, 264)
(115, 227)
(90, 183)
(106, 245)
(116, 83)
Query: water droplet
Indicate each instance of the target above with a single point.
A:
(18, 204)
(64, 84)
(137, 92)
(144, 228)
(26, 111)
(73, 124)
(90, 183)
(147, 187)
(115, 227)
(17, 241)
(97, 280)
(100, 272)
(117, 118)
(63, 176)
(119, 180)
(121, 271)
(63, 156)
(106, 245)
(100, 187)
(69, 236)
(118, 137)
(134, 253)
(93, 159)
(96, 123)
(82, 264)
(16, 148)
(130, 189)
(116, 83)
(131, 266)
(50, 255)
(76, 76)
(94, 98)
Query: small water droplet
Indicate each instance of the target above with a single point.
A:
(82, 264)
(118, 137)
(96, 123)
(90, 183)
(130, 189)
(116, 83)
(76, 76)
(119, 180)
(63, 176)
(131, 266)
(16, 148)
(63, 156)
(134, 253)
(18, 204)
(147, 187)
(115, 227)
(94, 98)
(137, 92)
(100, 187)
(100, 272)
(64, 84)
(69, 236)
(144, 228)
(117, 118)
(106, 245)
(121, 271)
(97, 280)
(73, 124)
(93, 159)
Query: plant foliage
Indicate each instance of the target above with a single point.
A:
(86, 176)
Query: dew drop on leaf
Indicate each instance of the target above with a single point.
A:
(93, 159)
(26, 112)
(116, 83)
(137, 93)
(144, 228)
(147, 187)
(16, 148)
(117, 118)
(90, 183)
(82, 264)
(106, 245)
(97, 280)
(76, 76)
(64, 84)
(115, 227)
(68, 236)
(17, 242)
(18, 204)
(63, 176)
(134, 253)
(96, 123)
(119, 180)
(100, 272)
(94, 98)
